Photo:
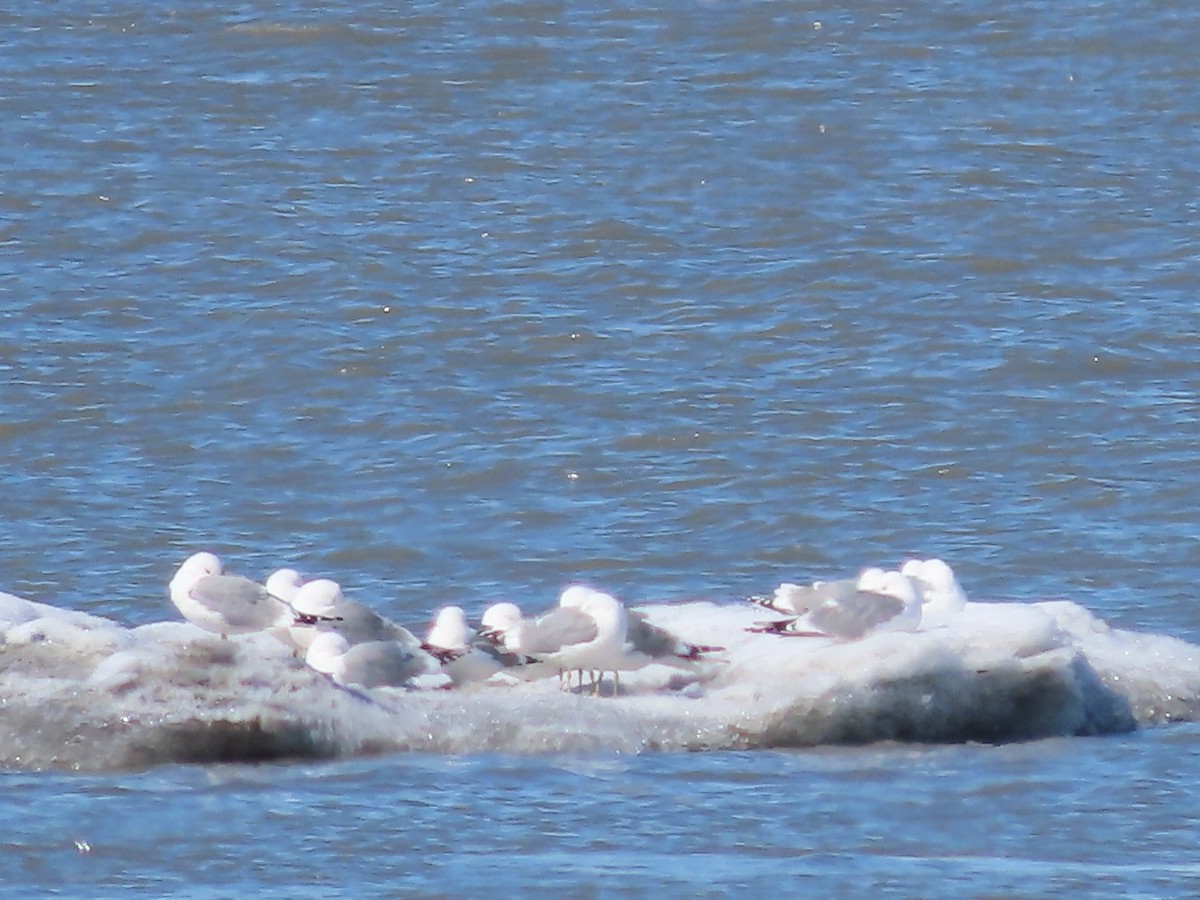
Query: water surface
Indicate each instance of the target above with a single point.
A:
(463, 302)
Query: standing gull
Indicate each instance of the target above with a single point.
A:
(224, 604)
(879, 601)
(586, 631)
(645, 643)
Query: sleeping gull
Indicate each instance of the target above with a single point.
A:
(465, 656)
(369, 664)
(321, 606)
(284, 584)
(224, 604)
(654, 644)
(499, 626)
(941, 595)
(798, 599)
(879, 601)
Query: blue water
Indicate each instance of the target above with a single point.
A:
(463, 302)
(1090, 816)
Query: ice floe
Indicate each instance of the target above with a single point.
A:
(79, 691)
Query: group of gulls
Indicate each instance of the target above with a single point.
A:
(589, 631)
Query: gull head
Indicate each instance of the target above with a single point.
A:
(898, 585)
(607, 611)
(284, 584)
(449, 629)
(499, 624)
(197, 566)
(200, 564)
(576, 596)
(789, 597)
(939, 588)
(871, 580)
(325, 651)
(318, 599)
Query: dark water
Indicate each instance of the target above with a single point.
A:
(454, 303)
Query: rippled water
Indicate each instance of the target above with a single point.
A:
(459, 302)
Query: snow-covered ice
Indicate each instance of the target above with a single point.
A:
(80, 691)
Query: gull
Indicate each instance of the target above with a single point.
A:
(224, 604)
(369, 664)
(645, 643)
(498, 623)
(285, 584)
(587, 630)
(797, 599)
(879, 601)
(654, 644)
(320, 606)
(465, 657)
(941, 595)
(499, 627)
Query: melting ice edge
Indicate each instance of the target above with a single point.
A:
(998, 672)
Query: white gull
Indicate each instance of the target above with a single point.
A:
(942, 598)
(877, 601)
(649, 643)
(285, 584)
(224, 604)
(465, 657)
(369, 664)
(320, 606)
(587, 631)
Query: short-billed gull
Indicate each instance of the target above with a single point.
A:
(654, 644)
(224, 604)
(284, 584)
(499, 627)
(465, 657)
(321, 606)
(942, 597)
(586, 631)
(369, 664)
(878, 601)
